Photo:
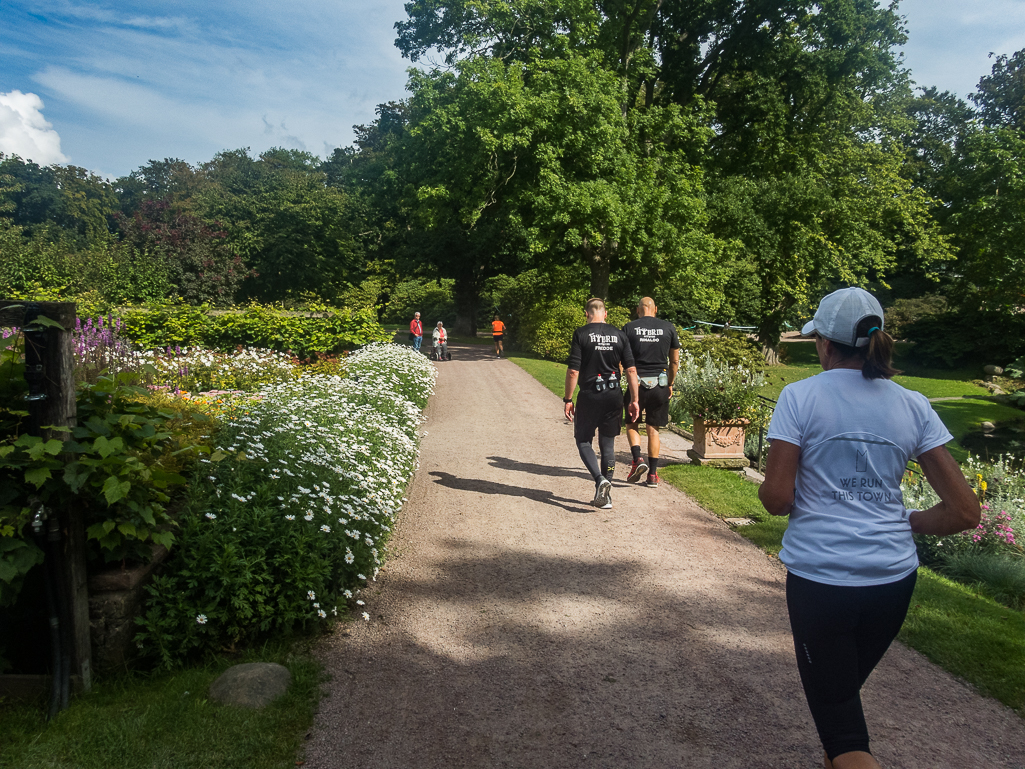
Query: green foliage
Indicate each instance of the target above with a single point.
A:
(165, 325)
(736, 349)
(17, 557)
(1016, 368)
(194, 260)
(967, 336)
(433, 299)
(293, 510)
(903, 312)
(123, 461)
(548, 329)
(713, 390)
(317, 330)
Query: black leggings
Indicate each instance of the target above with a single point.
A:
(840, 634)
(607, 446)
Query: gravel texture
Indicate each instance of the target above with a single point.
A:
(516, 626)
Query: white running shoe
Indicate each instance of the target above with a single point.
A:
(603, 495)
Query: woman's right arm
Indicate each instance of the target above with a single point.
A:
(777, 490)
(958, 508)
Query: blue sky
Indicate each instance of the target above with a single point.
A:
(121, 83)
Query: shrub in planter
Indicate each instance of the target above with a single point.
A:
(714, 391)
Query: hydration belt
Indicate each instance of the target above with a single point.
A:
(609, 382)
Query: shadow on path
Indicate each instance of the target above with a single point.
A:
(502, 463)
(490, 487)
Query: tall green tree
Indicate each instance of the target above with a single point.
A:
(806, 104)
(537, 158)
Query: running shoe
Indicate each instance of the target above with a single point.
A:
(652, 481)
(637, 470)
(603, 495)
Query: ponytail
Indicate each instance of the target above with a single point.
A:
(877, 355)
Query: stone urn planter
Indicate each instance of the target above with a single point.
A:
(720, 444)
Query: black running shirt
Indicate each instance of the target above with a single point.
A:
(598, 349)
(651, 339)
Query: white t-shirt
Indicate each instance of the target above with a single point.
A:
(848, 525)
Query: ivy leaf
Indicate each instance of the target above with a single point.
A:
(105, 447)
(37, 476)
(114, 490)
(42, 320)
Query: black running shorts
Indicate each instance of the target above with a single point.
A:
(598, 411)
(654, 405)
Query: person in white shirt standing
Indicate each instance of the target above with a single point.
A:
(840, 444)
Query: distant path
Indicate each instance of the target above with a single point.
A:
(515, 626)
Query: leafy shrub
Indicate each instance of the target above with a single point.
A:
(433, 299)
(319, 330)
(125, 460)
(904, 312)
(961, 338)
(548, 330)
(548, 327)
(164, 325)
(714, 391)
(292, 513)
(1016, 368)
(734, 349)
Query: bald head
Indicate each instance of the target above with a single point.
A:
(646, 308)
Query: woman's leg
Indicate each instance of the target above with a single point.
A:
(840, 634)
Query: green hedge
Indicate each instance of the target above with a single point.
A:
(323, 330)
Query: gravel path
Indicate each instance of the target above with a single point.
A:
(515, 626)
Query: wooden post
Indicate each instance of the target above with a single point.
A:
(59, 410)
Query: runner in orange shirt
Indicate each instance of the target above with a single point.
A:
(497, 333)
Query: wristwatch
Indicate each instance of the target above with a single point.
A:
(567, 400)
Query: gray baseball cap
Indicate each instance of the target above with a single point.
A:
(839, 314)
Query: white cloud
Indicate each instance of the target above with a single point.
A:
(25, 132)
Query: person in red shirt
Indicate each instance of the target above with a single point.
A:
(416, 330)
(497, 334)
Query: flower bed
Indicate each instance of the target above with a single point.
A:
(291, 514)
(991, 555)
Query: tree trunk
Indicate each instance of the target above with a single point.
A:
(467, 297)
(601, 266)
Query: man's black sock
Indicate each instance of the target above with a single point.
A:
(652, 465)
(636, 451)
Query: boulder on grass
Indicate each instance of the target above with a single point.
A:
(251, 685)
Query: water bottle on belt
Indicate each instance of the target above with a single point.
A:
(599, 384)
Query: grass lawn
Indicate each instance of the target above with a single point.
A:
(970, 635)
(932, 383)
(165, 722)
(729, 496)
(552, 375)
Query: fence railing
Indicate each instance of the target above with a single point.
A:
(771, 405)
